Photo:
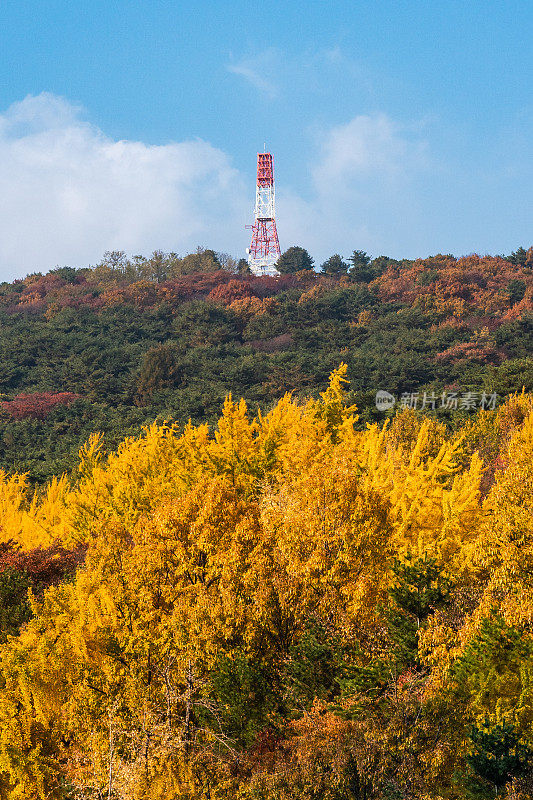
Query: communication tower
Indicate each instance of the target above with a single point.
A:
(264, 251)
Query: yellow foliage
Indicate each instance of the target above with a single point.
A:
(506, 544)
(204, 547)
(32, 522)
(432, 505)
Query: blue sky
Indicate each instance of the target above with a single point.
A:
(397, 126)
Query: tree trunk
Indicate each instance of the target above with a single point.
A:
(188, 709)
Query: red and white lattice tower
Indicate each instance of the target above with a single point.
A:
(264, 250)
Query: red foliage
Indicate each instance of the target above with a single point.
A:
(37, 405)
(449, 287)
(36, 293)
(485, 353)
(456, 286)
(44, 566)
(141, 293)
(50, 293)
(34, 308)
(266, 287)
(40, 286)
(228, 293)
(266, 741)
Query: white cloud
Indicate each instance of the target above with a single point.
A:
(68, 192)
(361, 188)
(256, 71)
(253, 77)
(367, 147)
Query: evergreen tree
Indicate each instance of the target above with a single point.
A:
(335, 265)
(158, 371)
(360, 266)
(521, 257)
(14, 604)
(418, 590)
(517, 290)
(294, 259)
(497, 754)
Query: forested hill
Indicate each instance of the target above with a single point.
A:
(113, 347)
(284, 608)
(283, 605)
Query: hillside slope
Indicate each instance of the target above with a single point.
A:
(286, 607)
(114, 347)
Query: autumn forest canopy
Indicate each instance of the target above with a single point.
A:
(224, 573)
(116, 346)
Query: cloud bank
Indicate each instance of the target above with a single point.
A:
(361, 193)
(68, 192)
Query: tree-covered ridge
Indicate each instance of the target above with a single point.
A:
(287, 607)
(114, 347)
(490, 284)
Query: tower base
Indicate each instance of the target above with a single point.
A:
(260, 270)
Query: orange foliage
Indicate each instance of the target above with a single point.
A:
(456, 285)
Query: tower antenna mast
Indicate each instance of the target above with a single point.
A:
(264, 250)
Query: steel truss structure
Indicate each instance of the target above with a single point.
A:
(264, 250)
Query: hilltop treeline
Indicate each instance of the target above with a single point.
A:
(113, 347)
(285, 608)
